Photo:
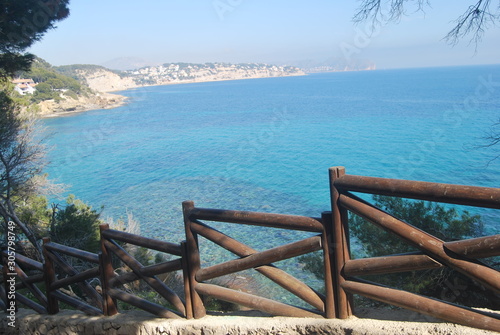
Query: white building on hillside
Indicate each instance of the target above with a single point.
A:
(24, 86)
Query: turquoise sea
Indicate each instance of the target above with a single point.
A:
(267, 144)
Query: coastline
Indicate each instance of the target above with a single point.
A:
(194, 81)
(109, 99)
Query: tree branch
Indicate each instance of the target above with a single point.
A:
(474, 21)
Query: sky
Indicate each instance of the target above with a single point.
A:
(276, 32)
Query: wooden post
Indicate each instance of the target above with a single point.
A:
(341, 246)
(329, 264)
(193, 260)
(185, 277)
(107, 272)
(49, 277)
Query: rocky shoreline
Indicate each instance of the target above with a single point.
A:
(69, 106)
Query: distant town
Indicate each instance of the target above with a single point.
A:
(60, 89)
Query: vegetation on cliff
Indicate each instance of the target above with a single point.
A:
(51, 84)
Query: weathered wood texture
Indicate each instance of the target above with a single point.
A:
(279, 276)
(333, 241)
(250, 258)
(53, 256)
(147, 274)
(423, 305)
(461, 256)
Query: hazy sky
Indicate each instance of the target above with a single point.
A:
(277, 31)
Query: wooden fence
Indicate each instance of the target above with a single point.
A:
(90, 301)
(249, 258)
(110, 246)
(460, 256)
(57, 275)
(30, 277)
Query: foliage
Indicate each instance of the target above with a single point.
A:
(21, 151)
(22, 23)
(433, 218)
(474, 21)
(34, 211)
(51, 83)
(21, 159)
(444, 223)
(76, 225)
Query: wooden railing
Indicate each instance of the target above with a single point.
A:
(331, 237)
(30, 276)
(56, 255)
(460, 255)
(110, 246)
(249, 258)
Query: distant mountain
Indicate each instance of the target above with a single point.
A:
(127, 63)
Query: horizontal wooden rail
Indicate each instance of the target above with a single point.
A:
(448, 193)
(481, 247)
(261, 258)
(432, 307)
(293, 222)
(151, 270)
(75, 278)
(279, 276)
(427, 243)
(143, 304)
(255, 302)
(167, 247)
(73, 252)
(156, 284)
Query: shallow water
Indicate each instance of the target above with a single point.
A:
(267, 144)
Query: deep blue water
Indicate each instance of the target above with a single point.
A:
(267, 144)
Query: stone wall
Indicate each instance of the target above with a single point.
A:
(142, 323)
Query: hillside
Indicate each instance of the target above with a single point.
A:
(58, 93)
(101, 79)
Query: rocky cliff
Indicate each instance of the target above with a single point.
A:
(51, 108)
(103, 80)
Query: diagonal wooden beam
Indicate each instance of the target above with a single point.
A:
(154, 282)
(429, 244)
(70, 270)
(277, 275)
(261, 258)
(33, 288)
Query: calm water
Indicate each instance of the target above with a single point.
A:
(267, 144)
